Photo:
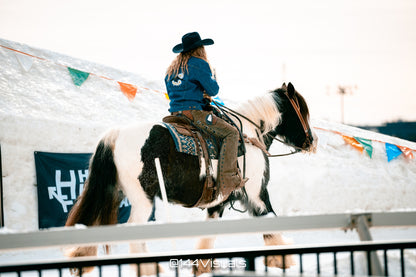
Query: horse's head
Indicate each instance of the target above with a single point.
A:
(294, 125)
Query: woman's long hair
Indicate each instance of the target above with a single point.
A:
(180, 63)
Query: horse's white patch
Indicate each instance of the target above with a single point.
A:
(314, 146)
(214, 203)
(255, 166)
(260, 109)
(213, 168)
(128, 162)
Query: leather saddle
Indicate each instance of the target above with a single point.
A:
(191, 140)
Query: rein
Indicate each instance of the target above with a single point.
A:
(223, 107)
(260, 127)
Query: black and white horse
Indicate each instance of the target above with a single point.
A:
(124, 160)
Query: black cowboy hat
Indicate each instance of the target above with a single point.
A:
(191, 41)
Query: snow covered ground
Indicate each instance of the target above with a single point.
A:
(42, 110)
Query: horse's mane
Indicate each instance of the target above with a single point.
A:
(260, 109)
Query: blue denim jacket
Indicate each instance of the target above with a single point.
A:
(186, 90)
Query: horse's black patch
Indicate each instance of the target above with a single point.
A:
(180, 171)
(290, 127)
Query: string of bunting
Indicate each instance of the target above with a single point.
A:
(362, 144)
(79, 77)
(129, 90)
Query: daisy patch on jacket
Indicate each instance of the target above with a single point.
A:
(178, 79)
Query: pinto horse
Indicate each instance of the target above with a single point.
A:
(124, 160)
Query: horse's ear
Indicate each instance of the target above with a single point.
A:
(284, 86)
(290, 90)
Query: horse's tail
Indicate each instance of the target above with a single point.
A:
(98, 203)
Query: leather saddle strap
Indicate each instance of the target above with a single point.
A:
(208, 191)
(203, 151)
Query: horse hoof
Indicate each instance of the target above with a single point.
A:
(85, 270)
(277, 261)
(148, 269)
(201, 267)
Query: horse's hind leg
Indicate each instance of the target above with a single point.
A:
(277, 261)
(141, 209)
(204, 266)
(260, 205)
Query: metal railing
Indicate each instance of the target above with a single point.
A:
(176, 260)
(104, 234)
(117, 234)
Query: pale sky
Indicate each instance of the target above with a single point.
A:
(317, 45)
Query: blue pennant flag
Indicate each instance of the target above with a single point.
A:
(392, 151)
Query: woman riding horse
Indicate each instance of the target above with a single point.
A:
(124, 160)
(187, 80)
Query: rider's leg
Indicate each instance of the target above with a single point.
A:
(229, 177)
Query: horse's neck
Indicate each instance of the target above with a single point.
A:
(248, 128)
(240, 120)
(261, 110)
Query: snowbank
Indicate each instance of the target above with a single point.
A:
(42, 110)
(338, 178)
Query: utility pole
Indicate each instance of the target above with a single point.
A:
(342, 91)
(284, 72)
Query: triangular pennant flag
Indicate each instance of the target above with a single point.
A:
(407, 152)
(354, 143)
(366, 143)
(25, 61)
(128, 90)
(78, 76)
(392, 151)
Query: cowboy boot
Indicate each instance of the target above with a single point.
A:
(231, 182)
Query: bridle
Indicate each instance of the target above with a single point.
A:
(305, 124)
(296, 107)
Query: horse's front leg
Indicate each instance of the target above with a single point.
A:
(277, 261)
(260, 205)
(205, 266)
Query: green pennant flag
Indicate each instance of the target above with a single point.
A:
(78, 76)
(366, 143)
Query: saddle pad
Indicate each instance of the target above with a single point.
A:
(187, 145)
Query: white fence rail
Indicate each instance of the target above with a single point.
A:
(125, 233)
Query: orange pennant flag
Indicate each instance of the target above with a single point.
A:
(354, 143)
(128, 90)
(407, 152)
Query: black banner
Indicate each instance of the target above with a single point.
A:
(60, 179)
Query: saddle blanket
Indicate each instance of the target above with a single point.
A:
(187, 145)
